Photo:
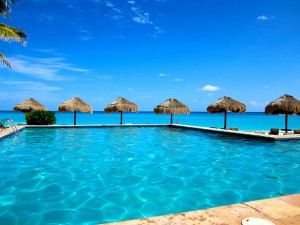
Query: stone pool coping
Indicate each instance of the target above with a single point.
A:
(250, 134)
(9, 131)
(247, 134)
(284, 210)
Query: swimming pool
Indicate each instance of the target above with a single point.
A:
(99, 175)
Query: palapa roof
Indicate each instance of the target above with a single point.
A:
(29, 105)
(226, 104)
(75, 104)
(121, 105)
(286, 104)
(172, 106)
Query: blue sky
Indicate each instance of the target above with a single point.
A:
(150, 50)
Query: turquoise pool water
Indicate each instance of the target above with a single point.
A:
(99, 175)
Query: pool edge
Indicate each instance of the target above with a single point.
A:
(281, 210)
(247, 134)
(9, 131)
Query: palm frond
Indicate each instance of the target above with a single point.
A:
(5, 8)
(4, 61)
(9, 33)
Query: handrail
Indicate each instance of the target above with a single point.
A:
(11, 124)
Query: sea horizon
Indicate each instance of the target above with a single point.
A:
(142, 111)
(254, 121)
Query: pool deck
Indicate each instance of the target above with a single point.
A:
(283, 210)
(282, 136)
(9, 131)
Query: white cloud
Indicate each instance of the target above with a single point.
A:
(264, 17)
(112, 6)
(178, 80)
(31, 86)
(43, 68)
(164, 75)
(130, 89)
(140, 19)
(140, 16)
(267, 86)
(158, 30)
(209, 88)
(133, 11)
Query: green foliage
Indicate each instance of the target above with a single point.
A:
(9, 33)
(40, 117)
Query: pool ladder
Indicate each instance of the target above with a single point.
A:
(11, 124)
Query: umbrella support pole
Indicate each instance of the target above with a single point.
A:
(171, 118)
(121, 118)
(75, 117)
(225, 119)
(286, 123)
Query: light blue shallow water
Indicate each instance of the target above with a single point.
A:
(99, 175)
(244, 121)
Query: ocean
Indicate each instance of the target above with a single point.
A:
(243, 121)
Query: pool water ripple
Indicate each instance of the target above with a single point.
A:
(99, 175)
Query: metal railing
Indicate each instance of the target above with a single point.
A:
(10, 124)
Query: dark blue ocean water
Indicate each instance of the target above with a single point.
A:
(243, 121)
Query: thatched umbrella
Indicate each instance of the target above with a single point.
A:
(121, 105)
(172, 106)
(286, 104)
(75, 104)
(29, 105)
(226, 104)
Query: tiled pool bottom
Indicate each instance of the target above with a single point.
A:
(100, 175)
